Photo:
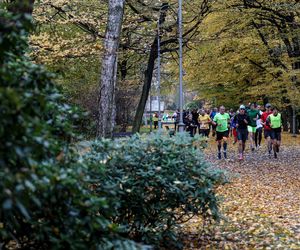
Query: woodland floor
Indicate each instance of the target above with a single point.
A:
(261, 204)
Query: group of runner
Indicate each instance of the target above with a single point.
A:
(248, 123)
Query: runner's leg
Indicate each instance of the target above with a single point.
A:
(235, 136)
(274, 142)
(206, 132)
(241, 147)
(219, 149)
(251, 140)
(269, 141)
(259, 137)
(278, 137)
(256, 139)
(251, 136)
(225, 147)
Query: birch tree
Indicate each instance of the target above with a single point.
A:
(106, 103)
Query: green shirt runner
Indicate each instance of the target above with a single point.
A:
(253, 113)
(275, 121)
(222, 122)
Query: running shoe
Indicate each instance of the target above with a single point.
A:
(241, 157)
(270, 150)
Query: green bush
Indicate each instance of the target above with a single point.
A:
(46, 199)
(160, 182)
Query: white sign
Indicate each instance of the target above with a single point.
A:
(154, 106)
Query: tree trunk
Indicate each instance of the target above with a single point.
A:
(106, 103)
(294, 121)
(146, 88)
(285, 120)
(21, 6)
(148, 74)
(292, 116)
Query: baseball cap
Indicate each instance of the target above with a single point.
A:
(242, 107)
(268, 105)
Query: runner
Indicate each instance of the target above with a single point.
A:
(267, 128)
(176, 117)
(204, 121)
(234, 129)
(275, 121)
(190, 125)
(222, 123)
(231, 114)
(212, 116)
(195, 115)
(242, 120)
(209, 127)
(253, 114)
(155, 120)
(259, 127)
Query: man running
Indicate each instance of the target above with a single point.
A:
(204, 121)
(234, 129)
(275, 121)
(190, 125)
(207, 111)
(212, 116)
(222, 123)
(259, 127)
(155, 120)
(267, 128)
(242, 120)
(253, 114)
(195, 115)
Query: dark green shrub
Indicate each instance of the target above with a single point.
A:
(160, 181)
(46, 199)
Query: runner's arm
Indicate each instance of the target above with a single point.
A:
(263, 120)
(247, 120)
(208, 120)
(214, 121)
(268, 122)
(228, 121)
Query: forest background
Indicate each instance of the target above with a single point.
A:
(234, 52)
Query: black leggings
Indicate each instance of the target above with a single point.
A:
(258, 137)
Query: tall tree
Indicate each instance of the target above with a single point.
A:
(282, 17)
(106, 103)
(248, 51)
(195, 13)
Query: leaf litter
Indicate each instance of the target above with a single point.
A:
(260, 207)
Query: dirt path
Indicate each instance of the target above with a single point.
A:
(261, 205)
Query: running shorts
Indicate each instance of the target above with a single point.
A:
(276, 134)
(204, 132)
(234, 132)
(267, 133)
(242, 134)
(251, 129)
(221, 135)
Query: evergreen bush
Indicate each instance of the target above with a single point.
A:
(160, 181)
